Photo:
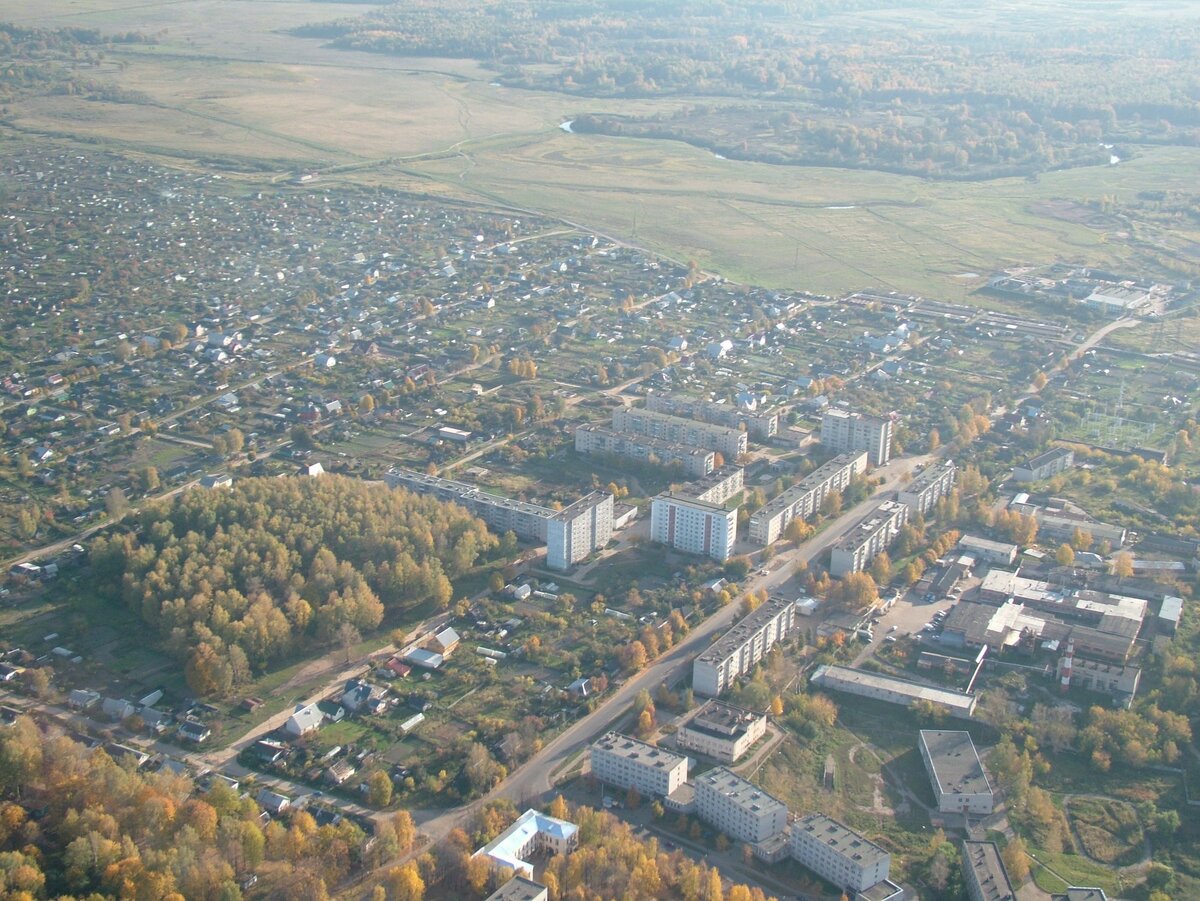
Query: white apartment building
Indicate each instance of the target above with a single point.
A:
(715, 488)
(955, 772)
(746, 643)
(626, 763)
(532, 833)
(838, 854)
(738, 808)
(804, 498)
(1046, 465)
(858, 547)
(760, 425)
(570, 534)
(984, 874)
(694, 527)
(844, 431)
(729, 442)
(696, 462)
(721, 731)
(928, 487)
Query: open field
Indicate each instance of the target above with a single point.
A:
(228, 84)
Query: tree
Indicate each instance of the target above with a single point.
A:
(776, 706)
(1065, 556)
(406, 831)
(149, 478)
(347, 637)
(496, 583)
(379, 789)
(207, 674)
(1016, 860)
(1122, 566)
(481, 768)
(405, 883)
(116, 504)
(366, 404)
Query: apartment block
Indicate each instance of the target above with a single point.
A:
(838, 854)
(730, 442)
(858, 547)
(955, 772)
(760, 425)
(694, 527)
(984, 874)
(738, 808)
(717, 487)
(928, 487)
(804, 498)
(696, 462)
(844, 431)
(1043, 466)
(746, 643)
(626, 763)
(570, 534)
(721, 731)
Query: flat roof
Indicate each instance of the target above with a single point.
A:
(810, 482)
(832, 676)
(746, 627)
(983, 544)
(929, 476)
(518, 889)
(740, 792)
(982, 861)
(841, 839)
(692, 490)
(647, 441)
(956, 763)
(721, 720)
(639, 751)
(866, 528)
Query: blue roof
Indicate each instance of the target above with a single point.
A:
(505, 848)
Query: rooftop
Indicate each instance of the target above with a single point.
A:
(505, 847)
(983, 859)
(929, 476)
(877, 519)
(737, 790)
(750, 624)
(518, 889)
(842, 839)
(721, 720)
(913, 690)
(632, 749)
(813, 480)
(956, 763)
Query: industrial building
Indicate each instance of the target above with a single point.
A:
(843, 431)
(804, 498)
(570, 534)
(721, 731)
(746, 643)
(1118, 682)
(984, 874)
(626, 763)
(729, 442)
(893, 691)
(986, 551)
(738, 808)
(1058, 519)
(838, 854)
(955, 772)
(928, 487)
(695, 462)
(1043, 466)
(856, 549)
(758, 424)
(694, 527)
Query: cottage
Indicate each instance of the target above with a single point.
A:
(193, 731)
(306, 719)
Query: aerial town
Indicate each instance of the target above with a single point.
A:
(366, 543)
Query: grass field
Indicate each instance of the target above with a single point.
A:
(227, 82)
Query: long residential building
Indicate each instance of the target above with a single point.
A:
(838, 854)
(738, 808)
(858, 547)
(844, 431)
(984, 874)
(956, 773)
(804, 498)
(694, 527)
(570, 534)
(695, 462)
(1044, 466)
(626, 763)
(760, 425)
(746, 643)
(928, 487)
(721, 731)
(730, 442)
(717, 487)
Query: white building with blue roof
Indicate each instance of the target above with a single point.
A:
(532, 833)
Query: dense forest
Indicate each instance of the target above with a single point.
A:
(232, 581)
(75, 823)
(36, 61)
(851, 83)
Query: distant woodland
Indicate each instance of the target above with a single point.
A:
(233, 581)
(835, 83)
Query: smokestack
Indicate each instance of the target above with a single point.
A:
(1068, 664)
